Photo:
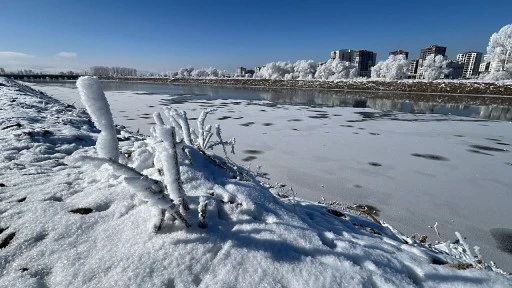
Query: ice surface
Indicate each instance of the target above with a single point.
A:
(253, 238)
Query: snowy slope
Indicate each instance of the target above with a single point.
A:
(69, 221)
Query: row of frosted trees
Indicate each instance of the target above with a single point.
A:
(112, 71)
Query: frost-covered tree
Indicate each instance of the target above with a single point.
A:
(335, 69)
(275, 70)
(185, 72)
(500, 53)
(394, 68)
(304, 69)
(433, 67)
(96, 103)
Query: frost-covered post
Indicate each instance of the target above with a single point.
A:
(96, 103)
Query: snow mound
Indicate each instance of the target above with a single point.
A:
(69, 219)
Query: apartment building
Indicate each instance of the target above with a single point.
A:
(471, 61)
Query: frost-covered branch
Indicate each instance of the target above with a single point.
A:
(96, 103)
(169, 158)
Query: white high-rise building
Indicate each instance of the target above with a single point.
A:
(471, 61)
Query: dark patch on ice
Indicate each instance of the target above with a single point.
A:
(21, 199)
(3, 185)
(54, 199)
(263, 110)
(361, 128)
(319, 116)
(23, 269)
(358, 186)
(295, 129)
(457, 135)
(144, 117)
(430, 157)
(488, 148)
(82, 211)
(503, 238)
(249, 158)
(247, 124)
(18, 125)
(224, 118)
(151, 106)
(374, 164)
(493, 139)
(508, 163)
(268, 124)
(253, 152)
(7, 240)
(479, 152)
(294, 120)
(192, 118)
(502, 143)
(337, 115)
(238, 118)
(348, 126)
(375, 134)
(130, 118)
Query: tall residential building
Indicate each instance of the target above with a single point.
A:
(414, 66)
(400, 52)
(434, 49)
(343, 55)
(471, 61)
(364, 59)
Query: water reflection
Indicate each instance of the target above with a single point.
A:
(407, 103)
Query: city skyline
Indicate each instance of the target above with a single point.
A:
(166, 35)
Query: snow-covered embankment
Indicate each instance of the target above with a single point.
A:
(70, 219)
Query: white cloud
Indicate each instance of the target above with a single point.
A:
(9, 55)
(67, 54)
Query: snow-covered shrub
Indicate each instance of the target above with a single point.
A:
(393, 68)
(433, 67)
(96, 103)
(335, 69)
(201, 139)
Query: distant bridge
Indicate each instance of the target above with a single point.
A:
(41, 77)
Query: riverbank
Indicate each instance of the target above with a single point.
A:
(404, 86)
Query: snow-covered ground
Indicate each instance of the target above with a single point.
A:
(70, 220)
(364, 156)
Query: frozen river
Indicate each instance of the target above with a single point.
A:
(418, 163)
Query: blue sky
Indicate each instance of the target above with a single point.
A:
(166, 35)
